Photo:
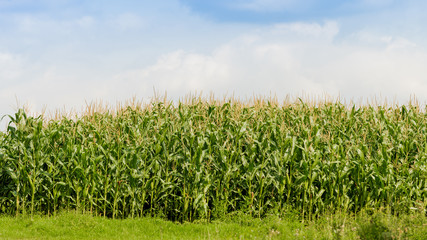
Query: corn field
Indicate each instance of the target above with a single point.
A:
(202, 160)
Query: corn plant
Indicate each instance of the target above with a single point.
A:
(204, 159)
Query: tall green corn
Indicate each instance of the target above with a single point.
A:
(201, 160)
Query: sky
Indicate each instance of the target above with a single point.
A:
(63, 54)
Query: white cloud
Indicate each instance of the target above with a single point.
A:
(40, 25)
(262, 63)
(128, 21)
(327, 31)
(85, 21)
(265, 5)
(51, 89)
(11, 67)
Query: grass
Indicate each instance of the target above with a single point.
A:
(71, 225)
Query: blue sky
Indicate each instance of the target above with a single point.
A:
(271, 11)
(63, 53)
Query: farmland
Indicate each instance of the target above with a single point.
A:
(203, 160)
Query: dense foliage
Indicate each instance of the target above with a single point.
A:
(204, 159)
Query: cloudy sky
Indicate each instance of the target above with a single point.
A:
(64, 53)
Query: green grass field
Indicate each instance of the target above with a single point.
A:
(83, 226)
(201, 161)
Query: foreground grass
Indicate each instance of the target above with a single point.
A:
(78, 226)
